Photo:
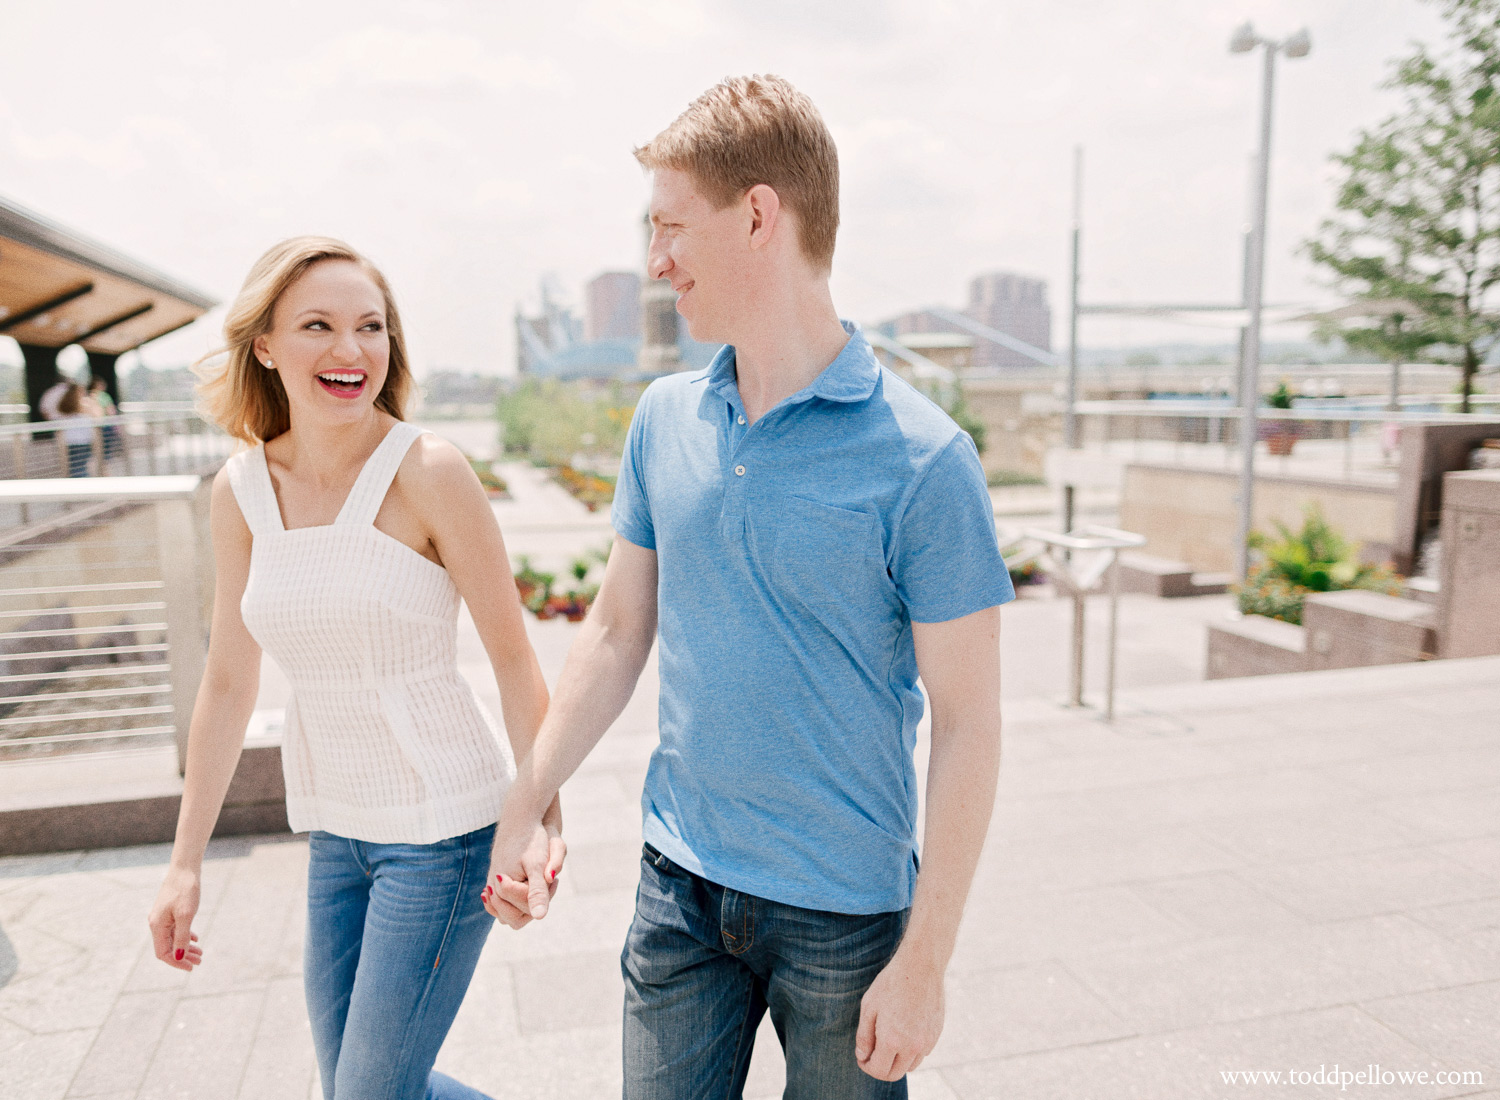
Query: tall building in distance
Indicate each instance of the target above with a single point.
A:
(1014, 304)
(659, 352)
(612, 306)
(1017, 306)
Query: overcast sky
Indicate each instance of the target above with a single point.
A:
(474, 147)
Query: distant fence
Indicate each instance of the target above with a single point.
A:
(1345, 432)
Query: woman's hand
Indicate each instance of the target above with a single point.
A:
(171, 919)
(517, 901)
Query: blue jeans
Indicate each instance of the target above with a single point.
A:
(394, 932)
(702, 965)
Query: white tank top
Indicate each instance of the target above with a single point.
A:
(384, 741)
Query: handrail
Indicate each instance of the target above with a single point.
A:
(121, 420)
(125, 489)
(1106, 542)
(1090, 537)
(1225, 411)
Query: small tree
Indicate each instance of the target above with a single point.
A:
(1417, 230)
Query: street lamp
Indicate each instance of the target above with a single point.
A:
(1245, 40)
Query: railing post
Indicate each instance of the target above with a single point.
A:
(1075, 677)
(1114, 633)
(177, 551)
(122, 433)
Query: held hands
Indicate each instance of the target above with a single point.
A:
(900, 1018)
(524, 866)
(171, 920)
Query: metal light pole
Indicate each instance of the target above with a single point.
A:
(1244, 40)
(1070, 417)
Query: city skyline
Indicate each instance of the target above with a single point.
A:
(472, 150)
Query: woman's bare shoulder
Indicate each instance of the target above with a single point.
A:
(436, 475)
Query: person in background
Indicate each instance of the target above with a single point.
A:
(99, 391)
(77, 413)
(47, 404)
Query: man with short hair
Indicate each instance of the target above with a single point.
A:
(803, 534)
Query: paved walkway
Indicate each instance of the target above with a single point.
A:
(1276, 874)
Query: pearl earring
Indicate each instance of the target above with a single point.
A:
(269, 364)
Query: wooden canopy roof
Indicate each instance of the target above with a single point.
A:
(57, 288)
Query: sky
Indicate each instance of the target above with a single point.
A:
(474, 148)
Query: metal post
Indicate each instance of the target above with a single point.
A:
(1114, 630)
(177, 551)
(1250, 369)
(1070, 418)
(1075, 680)
(1394, 404)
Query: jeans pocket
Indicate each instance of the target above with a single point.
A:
(655, 859)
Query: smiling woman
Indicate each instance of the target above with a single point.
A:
(344, 542)
(244, 388)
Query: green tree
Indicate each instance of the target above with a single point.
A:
(1416, 235)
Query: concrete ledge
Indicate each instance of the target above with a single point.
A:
(1355, 628)
(1154, 576)
(1424, 590)
(1255, 646)
(255, 803)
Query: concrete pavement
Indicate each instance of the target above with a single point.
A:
(1267, 875)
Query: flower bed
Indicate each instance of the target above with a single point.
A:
(494, 485)
(590, 489)
(538, 597)
(1314, 559)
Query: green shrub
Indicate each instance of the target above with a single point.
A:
(1002, 479)
(1314, 559)
(549, 421)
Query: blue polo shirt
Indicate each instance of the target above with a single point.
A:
(793, 555)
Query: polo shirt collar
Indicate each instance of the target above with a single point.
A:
(850, 377)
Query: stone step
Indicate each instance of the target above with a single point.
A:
(1355, 628)
(1165, 577)
(100, 801)
(1255, 646)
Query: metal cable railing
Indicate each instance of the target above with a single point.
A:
(1347, 440)
(145, 441)
(102, 613)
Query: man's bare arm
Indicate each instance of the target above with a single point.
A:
(597, 681)
(901, 1016)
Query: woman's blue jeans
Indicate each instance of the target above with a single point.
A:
(704, 963)
(394, 932)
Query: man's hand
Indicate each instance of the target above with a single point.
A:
(524, 865)
(900, 1018)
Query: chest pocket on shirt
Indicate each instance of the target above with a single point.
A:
(828, 559)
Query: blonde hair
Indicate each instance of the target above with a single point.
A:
(236, 391)
(749, 130)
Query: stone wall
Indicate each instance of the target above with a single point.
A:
(1193, 516)
(1470, 608)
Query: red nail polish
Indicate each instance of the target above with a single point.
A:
(179, 954)
(499, 878)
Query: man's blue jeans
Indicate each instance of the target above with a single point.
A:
(394, 932)
(702, 965)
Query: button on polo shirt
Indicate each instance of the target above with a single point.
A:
(793, 555)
